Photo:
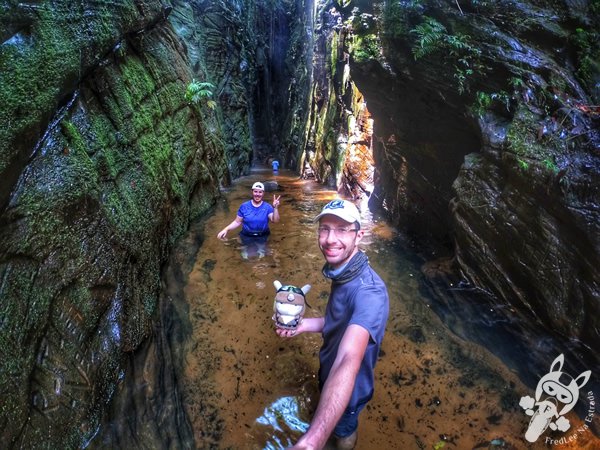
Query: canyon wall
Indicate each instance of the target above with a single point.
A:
(485, 140)
(104, 162)
(119, 124)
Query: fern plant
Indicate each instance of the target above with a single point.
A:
(431, 36)
(197, 90)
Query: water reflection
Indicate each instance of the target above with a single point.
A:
(435, 385)
(282, 421)
(253, 246)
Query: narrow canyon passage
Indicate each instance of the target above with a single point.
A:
(473, 127)
(244, 387)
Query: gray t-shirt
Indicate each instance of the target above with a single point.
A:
(362, 301)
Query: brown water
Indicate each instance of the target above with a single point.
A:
(246, 388)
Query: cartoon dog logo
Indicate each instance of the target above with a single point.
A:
(554, 389)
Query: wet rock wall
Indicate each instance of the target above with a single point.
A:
(107, 156)
(535, 211)
(103, 164)
(336, 108)
(218, 52)
(279, 49)
(485, 141)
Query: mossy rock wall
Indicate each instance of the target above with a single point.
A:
(333, 101)
(103, 165)
(216, 36)
(485, 140)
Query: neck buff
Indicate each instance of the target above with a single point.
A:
(347, 272)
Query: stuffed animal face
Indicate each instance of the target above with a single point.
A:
(289, 305)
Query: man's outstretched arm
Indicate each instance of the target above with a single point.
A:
(338, 388)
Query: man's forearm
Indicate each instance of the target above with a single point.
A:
(313, 324)
(332, 404)
(337, 389)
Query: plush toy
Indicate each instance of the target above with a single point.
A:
(290, 303)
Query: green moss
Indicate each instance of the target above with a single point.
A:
(106, 146)
(550, 165)
(36, 69)
(365, 48)
(485, 101)
(134, 105)
(138, 83)
(46, 203)
(25, 98)
(522, 135)
(587, 45)
(365, 44)
(398, 16)
(123, 212)
(332, 47)
(523, 165)
(155, 154)
(74, 138)
(524, 139)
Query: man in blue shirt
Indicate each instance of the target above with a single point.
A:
(275, 165)
(254, 216)
(353, 329)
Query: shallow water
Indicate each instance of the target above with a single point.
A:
(246, 388)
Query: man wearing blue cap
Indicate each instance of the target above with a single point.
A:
(353, 329)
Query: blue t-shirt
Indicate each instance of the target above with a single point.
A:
(362, 301)
(256, 218)
(275, 165)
